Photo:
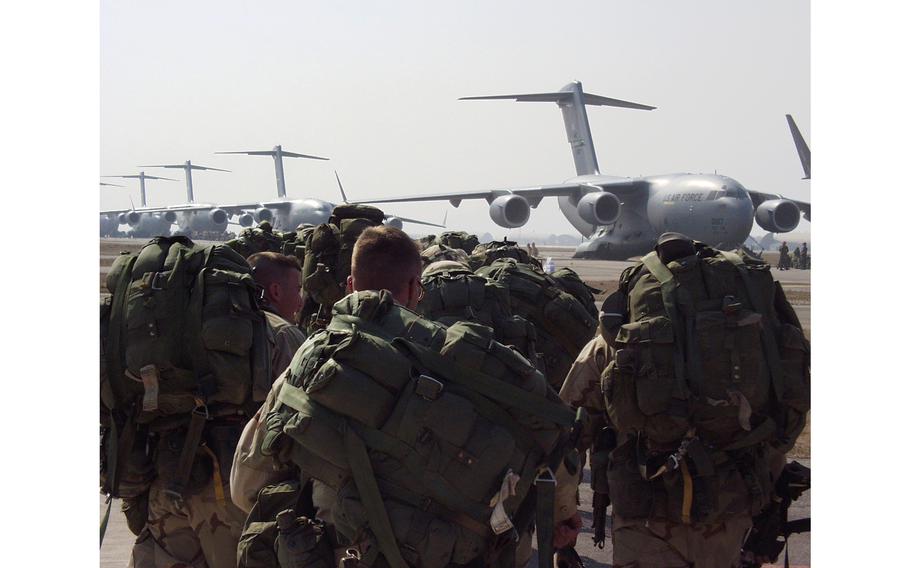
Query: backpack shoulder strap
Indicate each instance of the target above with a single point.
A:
(668, 292)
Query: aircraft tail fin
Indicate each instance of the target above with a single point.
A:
(572, 100)
(801, 147)
(344, 198)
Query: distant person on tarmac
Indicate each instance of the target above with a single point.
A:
(783, 263)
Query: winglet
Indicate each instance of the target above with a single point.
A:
(801, 147)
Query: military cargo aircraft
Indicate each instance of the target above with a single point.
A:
(285, 214)
(141, 225)
(621, 216)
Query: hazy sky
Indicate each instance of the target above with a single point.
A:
(373, 86)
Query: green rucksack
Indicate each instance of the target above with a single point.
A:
(563, 324)
(571, 282)
(184, 343)
(430, 437)
(456, 294)
(257, 239)
(327, 261)
(435, 253)
(709, 369)
(458, 240)
(486, 254)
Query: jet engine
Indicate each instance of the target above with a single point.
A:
(169, 216)
(263, 214)
(777, 215)
(245, 220)
(394, 222)
(510, 211)
(218, 216)
(132, 218)
(121, 218)
(600, 208)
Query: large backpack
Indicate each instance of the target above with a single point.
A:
(184, 342)
(563, 324)
(456, 294)
(486, 254)
(459, 240)
(257, 239)
(435, 253)
(709, 370)
(571, 282)
(430, 437)
(327, 261)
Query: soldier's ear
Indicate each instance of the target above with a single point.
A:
(350, 284)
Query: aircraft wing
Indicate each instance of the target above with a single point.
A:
(533, 194)
(230, 208)
(758, 198)
(417, 221)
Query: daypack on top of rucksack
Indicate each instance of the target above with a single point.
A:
(437, 252)
(571, 282)
(562, 323)
(185, 337)
(418, 428)
(456, 294)
(327, 261)
(710, 369)
(486, 254)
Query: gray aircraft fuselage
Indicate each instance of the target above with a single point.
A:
(307, 211)
(711, 208)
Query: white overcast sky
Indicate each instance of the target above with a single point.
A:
(373, 86)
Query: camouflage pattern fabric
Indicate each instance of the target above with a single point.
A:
(203, 533)
(659, 544)
(284, 340)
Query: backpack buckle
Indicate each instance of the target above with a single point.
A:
(153, 284)
(428, 388)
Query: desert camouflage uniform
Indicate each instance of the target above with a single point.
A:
(640, 543)
(204, 530)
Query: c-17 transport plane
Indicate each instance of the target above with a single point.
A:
(285, 214)
(622, 217)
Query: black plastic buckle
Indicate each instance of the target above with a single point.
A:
(428, 388)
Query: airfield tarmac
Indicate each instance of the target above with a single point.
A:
(602, 274)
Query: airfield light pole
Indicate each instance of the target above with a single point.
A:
(277, 154)
(141, 177)
(187, 168)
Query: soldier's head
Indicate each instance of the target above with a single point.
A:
(279, 276)
(385, 258)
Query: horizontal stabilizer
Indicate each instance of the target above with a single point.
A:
(563, 96)
(295, 155)
(252, 153)
(111, 184)
(418, 222)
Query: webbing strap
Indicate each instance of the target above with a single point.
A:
(187, 455)
(668, 291)
(769, 342)
(545, 486)
(216, 475)
(489, 387)
(377, 516)
(105, 518)
(115, 356)
(688, 496)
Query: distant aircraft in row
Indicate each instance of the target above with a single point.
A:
(620, 216)
(283, 213)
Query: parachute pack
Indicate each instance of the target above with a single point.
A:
(431, 437)
(563, 323)
(709, 369)
(183, 342)
(327, 259)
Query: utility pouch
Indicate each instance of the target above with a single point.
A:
(632, 495)
(136, 511)
(167, 460)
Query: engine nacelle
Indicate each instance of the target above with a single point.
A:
(263, 214)
(218, 216)
(132, 218)
(777, 215)
(121, 218)
(169, 216)
(394, 222)
(599, 208)
(246, 220)
(510, 211)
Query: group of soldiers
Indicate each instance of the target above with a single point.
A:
(799, 258)
(388, 438)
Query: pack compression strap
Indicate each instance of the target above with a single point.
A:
(378, 518)
(107, 516)
(668, 292)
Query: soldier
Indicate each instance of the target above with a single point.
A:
(279, 277)
(783, 262)
(804, 257)
(203, 530)
(684, 503)
(383, 259)
(796, 259)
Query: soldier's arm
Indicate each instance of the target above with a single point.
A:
(288, 340)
